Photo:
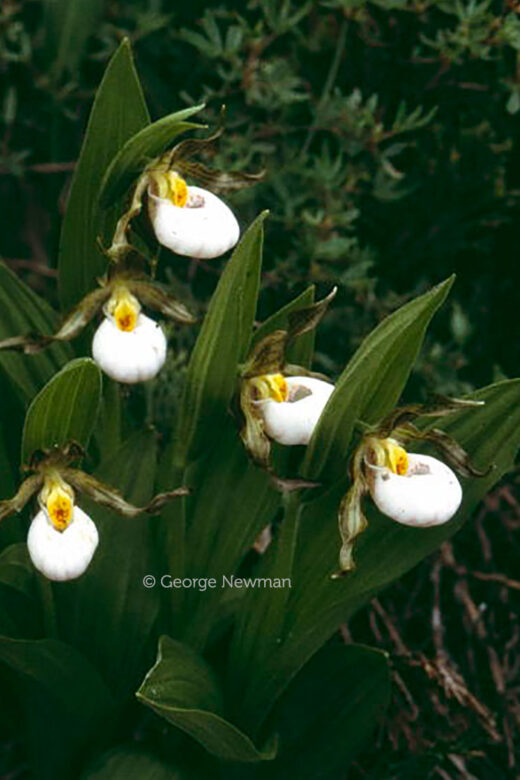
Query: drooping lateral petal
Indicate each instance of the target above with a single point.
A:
(73, 324)
(352, 522)
(218, 180)
(111, 498)
(26, 491)
(154, 296)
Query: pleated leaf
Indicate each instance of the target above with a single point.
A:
(68, 706)
(371, 383)
(182, 689)
(221, 345)
(119, 111)
(318, 604)
(349, 687)
(65, 410)
(23, 312)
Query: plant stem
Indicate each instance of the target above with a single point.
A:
(48, 609)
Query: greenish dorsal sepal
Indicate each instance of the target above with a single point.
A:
(139, 150)
(261, 375)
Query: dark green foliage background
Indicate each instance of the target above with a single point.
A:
(381, 204)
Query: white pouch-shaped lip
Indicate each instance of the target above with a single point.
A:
(293, 421)
(130, 356)
(62, 555)
(428, 494)
(204, 230)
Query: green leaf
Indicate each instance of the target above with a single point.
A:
(68, 24)
(118, 113)
(182, 689)
(348, 688)
(65, 410)
(387, 550)
(371, 383)
(233, 501)
(68, 706)
(109, 614)
(16, 571)
(221, 345)
(140, 149)
(129, 763)
(22, 312)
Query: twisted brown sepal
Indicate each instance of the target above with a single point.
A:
(26, 491)
(178, 159)
(351, 518)
(154, 296)
(448, 446)
(111, 498)
(440, 406)
(120, 247)
(73, 324)
(303, 320)
(292, 485)
(352, 522)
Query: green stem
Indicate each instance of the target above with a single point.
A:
(48, 608)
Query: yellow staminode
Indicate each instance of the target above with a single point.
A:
(271, 386)
(397, 457)
(171, 186)
(58, 498)
(125, 308)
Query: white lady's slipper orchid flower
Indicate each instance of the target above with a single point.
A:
(128, 346)
(62, 538)
(413, 489)
(291, 406)
(190, 220)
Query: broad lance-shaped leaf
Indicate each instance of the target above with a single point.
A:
(182, 689)
(234, 501)
(221, 345)
(328, 713)
(371, 383)
(23, 312)
(65, 410)
(118, 113)
(140, 149)
(387, 550)
(61, 688)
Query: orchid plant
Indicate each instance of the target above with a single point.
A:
(245, 485)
